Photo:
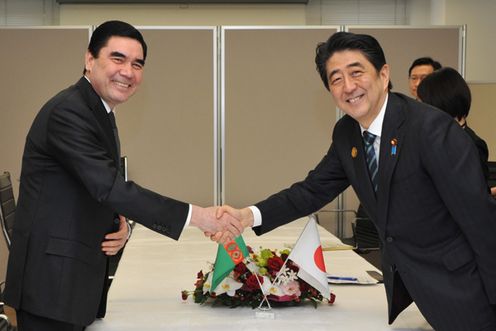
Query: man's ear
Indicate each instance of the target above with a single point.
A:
(384, 74)
(88, 61)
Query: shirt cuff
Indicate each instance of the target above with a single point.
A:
(188, 218)
(257, 216)
(129, 229)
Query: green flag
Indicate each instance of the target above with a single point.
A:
(228, 256)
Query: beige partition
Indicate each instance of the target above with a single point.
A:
(37, 62)
(278, 114)
(402, 45)
(482, 117)
(167, 128)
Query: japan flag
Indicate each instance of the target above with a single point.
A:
(307, 253)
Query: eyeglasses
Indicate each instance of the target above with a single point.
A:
(417, 78)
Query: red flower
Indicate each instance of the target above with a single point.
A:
(332, 299)
(274, 263)
(240, 268)
(252, 283)
(303, 286)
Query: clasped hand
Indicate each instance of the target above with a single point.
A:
(221, 224)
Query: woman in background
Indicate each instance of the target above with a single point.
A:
(447, 90)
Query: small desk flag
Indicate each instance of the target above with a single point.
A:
(307, 253)
(228, 256)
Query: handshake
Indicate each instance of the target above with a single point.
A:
(221, 224)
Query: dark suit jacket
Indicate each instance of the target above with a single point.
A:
(70, 189)
(434, 215)
(481, 148)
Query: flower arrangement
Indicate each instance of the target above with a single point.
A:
(242, 286)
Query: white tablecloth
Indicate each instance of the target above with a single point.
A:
(146, 292)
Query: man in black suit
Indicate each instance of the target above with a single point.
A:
(419, 180)
(71, 192)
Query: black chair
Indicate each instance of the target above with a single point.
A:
(365, 232)
(7, 206)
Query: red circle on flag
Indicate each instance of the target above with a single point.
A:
(318, 258)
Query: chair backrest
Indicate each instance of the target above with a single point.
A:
(491, 181)
(7, 206)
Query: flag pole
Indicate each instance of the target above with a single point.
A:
(264, 296)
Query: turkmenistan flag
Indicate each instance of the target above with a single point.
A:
(228, 256)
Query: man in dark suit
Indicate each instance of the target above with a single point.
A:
(419, 180)
(71, 192)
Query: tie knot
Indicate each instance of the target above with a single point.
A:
(368, 138)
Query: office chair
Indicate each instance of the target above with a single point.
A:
(7, 206)
(365, 237)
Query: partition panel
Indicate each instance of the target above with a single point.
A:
(278, 114)
(402, 45)
(34, 68)
(167, 128)
(37, 62)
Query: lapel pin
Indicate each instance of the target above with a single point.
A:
(354, 152)
(394, 144)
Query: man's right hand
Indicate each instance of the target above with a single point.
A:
(245, 217)
(225, 227)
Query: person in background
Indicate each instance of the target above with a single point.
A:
(72, 195)
(419, 69)
(417, 175)
(446, 89)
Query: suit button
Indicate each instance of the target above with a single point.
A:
(389, 239)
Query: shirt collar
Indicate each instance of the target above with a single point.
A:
(376, 126)
(107, 107)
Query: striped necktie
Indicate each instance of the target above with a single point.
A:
(370, 157)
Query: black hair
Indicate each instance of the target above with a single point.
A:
(424, 61)
(106, 30)
(342, 41)
(447, 90)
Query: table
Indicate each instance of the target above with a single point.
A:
(146, 292)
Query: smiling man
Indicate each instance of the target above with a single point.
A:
(418, 177)
(72, 199)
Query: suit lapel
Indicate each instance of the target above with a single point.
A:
(365, 190)
(95, 104)
(391, 144)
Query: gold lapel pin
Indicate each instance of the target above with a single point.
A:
(354, 152)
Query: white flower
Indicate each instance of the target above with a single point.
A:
(269, 288)
(291, 288)
(292, 275)
(208, 283)
(229, 286)
(252, 266)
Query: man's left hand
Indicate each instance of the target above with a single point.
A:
(116, 240)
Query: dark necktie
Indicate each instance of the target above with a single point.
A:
(116, 134)
(370, 157)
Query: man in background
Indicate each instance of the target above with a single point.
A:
(419, 69)
(72, 196)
